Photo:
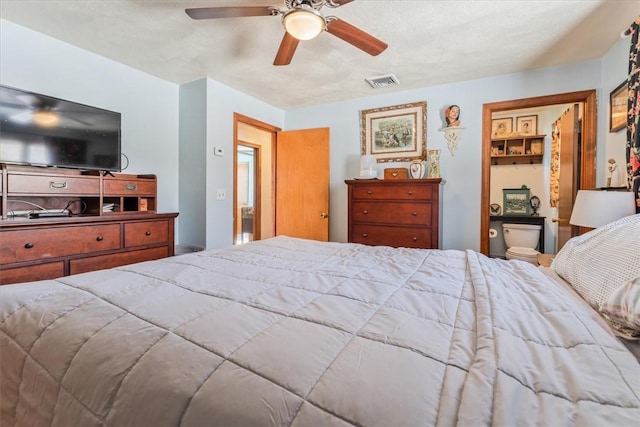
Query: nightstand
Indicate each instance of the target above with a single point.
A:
(545, 259)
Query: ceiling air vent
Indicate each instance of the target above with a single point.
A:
(383, 81)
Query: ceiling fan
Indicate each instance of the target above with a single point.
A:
(302, 20)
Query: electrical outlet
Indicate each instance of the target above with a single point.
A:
(221, 194)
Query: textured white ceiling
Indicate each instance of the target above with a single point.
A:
(431, 42)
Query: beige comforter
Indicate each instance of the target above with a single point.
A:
(293, 332)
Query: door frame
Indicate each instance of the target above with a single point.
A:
(588, 149)
(273, 130)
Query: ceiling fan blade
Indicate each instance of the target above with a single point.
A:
(229, 12)
(355, 36)
(286, 50)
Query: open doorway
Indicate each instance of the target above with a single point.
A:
(587, 150)
(253, 181)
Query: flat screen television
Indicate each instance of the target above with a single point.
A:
(40, 130)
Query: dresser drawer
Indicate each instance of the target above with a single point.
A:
(129, 187)
(145, 233)
(395, 213)
(34, 244)
(396, 192)
(37, 184)
(84, 265)
(50, 270)
(380, 235)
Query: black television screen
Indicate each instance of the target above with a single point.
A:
(40, 130)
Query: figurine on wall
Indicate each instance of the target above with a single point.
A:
(452, 127)
(452, 116)
(613, 176)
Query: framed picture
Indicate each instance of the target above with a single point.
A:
(618, 107)
(527, 125)
(395, 134)
(515, 201)
(501, 127)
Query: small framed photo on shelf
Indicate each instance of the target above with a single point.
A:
(527, 125)
(501, 127)
(618, 99)
(515, 201)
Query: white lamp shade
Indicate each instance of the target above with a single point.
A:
(303, 24)
(594, 208)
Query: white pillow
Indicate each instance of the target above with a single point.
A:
(622, 309)
(601, 261)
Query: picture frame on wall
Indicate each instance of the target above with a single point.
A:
(515, 201)
(527, 125)
(395, 134)
(501, 127)
(618, 108)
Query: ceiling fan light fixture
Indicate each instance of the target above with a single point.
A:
(45, 118)
(303, 23)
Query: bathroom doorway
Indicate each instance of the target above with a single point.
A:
(587, 149)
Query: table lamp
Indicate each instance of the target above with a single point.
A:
(595, 208)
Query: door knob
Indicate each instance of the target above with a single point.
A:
(324, 215)
(557, 219)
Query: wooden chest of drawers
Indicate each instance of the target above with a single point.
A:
(399, 213)
(37, 249)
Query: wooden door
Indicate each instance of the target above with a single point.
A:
(302, 184)
(569, 174)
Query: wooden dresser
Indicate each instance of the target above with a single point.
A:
(394, 212)
(113, 223)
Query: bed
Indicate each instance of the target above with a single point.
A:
(292, 332)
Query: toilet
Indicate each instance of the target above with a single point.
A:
(522, 240)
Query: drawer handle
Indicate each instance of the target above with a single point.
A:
(410, 193)
(365, 235)
(148, 233)
(131, 187)
(415, 239)
(369, 192)
(365, 212)
(394, 174)
(414, 213)
(28, 246)
(59, 185)
(99, 238)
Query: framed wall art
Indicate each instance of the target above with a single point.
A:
(618, 107)
(501, 127)
(395, 134)
(527, 125)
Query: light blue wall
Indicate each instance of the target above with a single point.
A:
(152, 133)
(149, 106)
(192, 169)
(222, 102)
(462, 172)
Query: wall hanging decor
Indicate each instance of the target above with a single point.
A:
(618, 107)
(395, 134)
(452, 127)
